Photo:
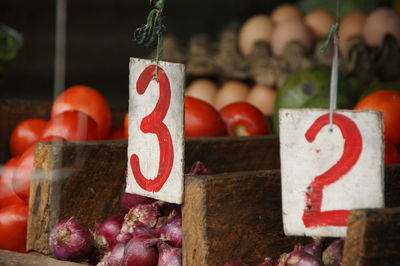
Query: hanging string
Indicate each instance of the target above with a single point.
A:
(151, 33)
(333, 35)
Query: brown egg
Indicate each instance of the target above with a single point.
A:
(257, 28)
(320, 22)
(380, 22)
(203, 89)
(289, 31)
(263, 98)
(285, 12)
(351, 25)
(230, 92)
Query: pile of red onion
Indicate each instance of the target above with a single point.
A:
(150, 233)
(313, 254)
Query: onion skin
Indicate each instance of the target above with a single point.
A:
(129, 201)
(267, 262)
(333, 254)
(70, 240)
(172, 230)
(314, 249)
(168, 255)
(198, 168)
(298, 257)
(114, 257)
(141, 251)
(105, 233)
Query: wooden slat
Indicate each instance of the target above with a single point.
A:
(233, 216)
(231, 154)
(71, 179)
(373, 238)
(9, 258)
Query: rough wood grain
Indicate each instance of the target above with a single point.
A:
(392, 185)
(231, 154)
(9, 258)
(233, 216)
(373, 238)
(14, 111)
(74, 179)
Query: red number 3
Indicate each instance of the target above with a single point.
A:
(153, 123)
(313, 216)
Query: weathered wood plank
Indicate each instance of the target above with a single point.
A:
(231, 154)
(233, 216)
(72, 179)
(373, 238)
(9, 258)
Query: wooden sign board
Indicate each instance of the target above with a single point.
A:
(156, 130)
(328, 170)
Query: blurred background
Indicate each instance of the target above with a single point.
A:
(99, 40)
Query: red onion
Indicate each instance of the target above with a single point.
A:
(141, 251)
(168, 255)
(234, 263)
(106, 232)
(70, 239)
(198, 168)
(298, 257)
(267, 262)
(129, 201)
(314, 249)
(143, 215)
(171, 230)
(333, 254)
(114, 257)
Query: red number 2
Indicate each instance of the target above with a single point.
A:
(153, 123)
(313, 216)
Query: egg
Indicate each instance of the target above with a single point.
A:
(203, 89)
(263, 98)
(320, 22)
(230, 92)
(289, 31)
(351, 25)
(380, 22)
(256, 28)
(285, 12)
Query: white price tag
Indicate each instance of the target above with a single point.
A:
(328, 170)
(156, 130)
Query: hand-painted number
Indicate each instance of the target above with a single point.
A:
(312, 215)
(153, 123)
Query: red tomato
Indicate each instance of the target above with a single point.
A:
(21, 181)
(392, 155)
(117, 133)
(126, 128)
(202, 119)
(244, 119)
(72, 126)
(25, 134)
(7, 194)
(87, 100)
(13, 223)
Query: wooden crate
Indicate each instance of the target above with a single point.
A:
(226, 215)
(70, 177)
